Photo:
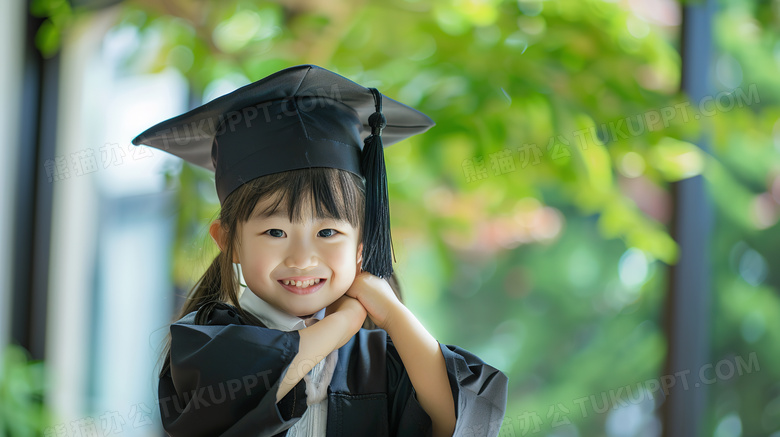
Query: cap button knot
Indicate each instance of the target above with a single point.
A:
(377, 120)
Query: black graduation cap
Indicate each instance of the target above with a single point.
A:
(300, 117)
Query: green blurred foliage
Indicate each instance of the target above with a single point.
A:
(22, 387)
(57, 16)
(531, 224)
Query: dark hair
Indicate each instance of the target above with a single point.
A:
(333, 193)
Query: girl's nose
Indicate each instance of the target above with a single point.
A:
(301, 255)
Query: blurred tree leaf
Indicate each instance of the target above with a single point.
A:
(22, 387)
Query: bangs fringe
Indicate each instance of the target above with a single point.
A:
(330, 194)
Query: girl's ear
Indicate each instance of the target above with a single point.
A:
(215, 230)
(360, 254)
(218, 235)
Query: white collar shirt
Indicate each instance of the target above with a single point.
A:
(314, 419)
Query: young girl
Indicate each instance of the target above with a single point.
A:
(299, 171)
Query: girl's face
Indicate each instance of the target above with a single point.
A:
(273, 250)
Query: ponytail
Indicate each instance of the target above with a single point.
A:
(206, 292)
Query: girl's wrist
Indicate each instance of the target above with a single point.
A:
(330, 331)
(346, 322)
(396, 315)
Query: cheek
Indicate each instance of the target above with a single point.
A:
(343, 257)
(256, 262)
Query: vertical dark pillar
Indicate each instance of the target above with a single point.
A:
(33, 209)
(687, 309)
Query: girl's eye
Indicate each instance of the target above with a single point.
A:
(330, 234)
(270, 232)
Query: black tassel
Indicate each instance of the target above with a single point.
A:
(377, 242)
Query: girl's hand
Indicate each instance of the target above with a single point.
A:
(352, 312)
(377, 297)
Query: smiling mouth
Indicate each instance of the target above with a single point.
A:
(306, 287)
(301, 284)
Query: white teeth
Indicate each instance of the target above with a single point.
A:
(302, 284)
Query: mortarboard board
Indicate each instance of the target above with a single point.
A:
(300, 117)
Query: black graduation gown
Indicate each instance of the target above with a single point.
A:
(224, 375)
